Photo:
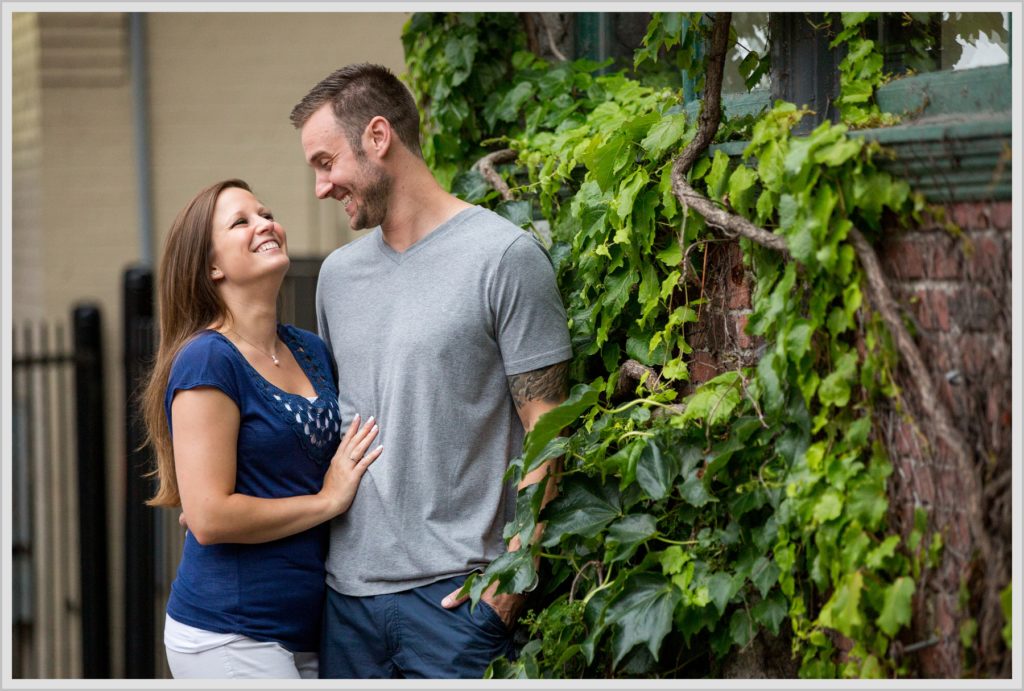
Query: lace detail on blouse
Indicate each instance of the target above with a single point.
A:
(318, 423)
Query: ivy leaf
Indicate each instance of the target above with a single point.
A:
(623, 203)
(459, 53)
(584, 507)
(671, 255)
(717, 177)
(740, 183)
(842, 611)
(835, 388)
(694, 492)
(470, 186)
(509, 106)
(673, 559)
(828, 506)
(896, 605)
(518, 211)
(665, 134)
(625, 535)
(514, 572)
(715, 400)
(550, 424)
(771, 611)
(774, 398)
(657, 472)
(740, 627)
(835, 155)
(527, 507)
(720, 588)
(765, 575)
(642, 614)
(876, 557)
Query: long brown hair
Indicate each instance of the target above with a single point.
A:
(188, 303)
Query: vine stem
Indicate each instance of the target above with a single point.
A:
(486, 166)
(937, 415)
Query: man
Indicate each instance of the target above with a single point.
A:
(446, 324)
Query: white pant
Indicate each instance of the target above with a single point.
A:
(207, 655)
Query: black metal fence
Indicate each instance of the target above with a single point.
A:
(55, 530)
(61, 580)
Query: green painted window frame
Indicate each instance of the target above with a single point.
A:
(955, 136)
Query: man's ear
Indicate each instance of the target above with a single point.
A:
(377, 136)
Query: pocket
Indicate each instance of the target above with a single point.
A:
(490, 617)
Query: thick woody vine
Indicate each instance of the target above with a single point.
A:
(692, 530)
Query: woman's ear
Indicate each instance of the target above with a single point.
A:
(216, 274)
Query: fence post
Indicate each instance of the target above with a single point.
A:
(140, 529)
(92, 491)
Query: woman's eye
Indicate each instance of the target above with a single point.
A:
(267, 215)
(237, 222)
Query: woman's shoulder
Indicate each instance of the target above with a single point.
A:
(205, 349)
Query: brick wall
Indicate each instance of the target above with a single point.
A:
(955, 289)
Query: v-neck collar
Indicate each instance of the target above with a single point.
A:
(399, 257)
(293, 345)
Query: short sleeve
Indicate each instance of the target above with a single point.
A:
(206, 360)
(530, 321)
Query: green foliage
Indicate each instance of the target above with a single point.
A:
(691, 519)
(860, 73)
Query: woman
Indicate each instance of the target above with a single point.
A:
(243, 414)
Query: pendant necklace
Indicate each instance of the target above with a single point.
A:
(277, 363)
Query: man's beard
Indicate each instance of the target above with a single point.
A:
(372, 203)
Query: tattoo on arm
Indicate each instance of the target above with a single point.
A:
(550, 384)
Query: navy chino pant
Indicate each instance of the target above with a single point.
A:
(409, 635)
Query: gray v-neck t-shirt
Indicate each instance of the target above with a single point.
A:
(424, 340)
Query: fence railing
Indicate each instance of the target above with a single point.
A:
(46, 593)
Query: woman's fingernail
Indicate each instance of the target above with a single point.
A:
(446, 602)
(375, 428)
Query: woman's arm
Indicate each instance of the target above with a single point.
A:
(206, 425)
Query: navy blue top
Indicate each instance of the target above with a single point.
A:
(272, 591)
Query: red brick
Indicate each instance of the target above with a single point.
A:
(971, 215)
(702, 367)
(739, 293)
(977, 352)
(975, 308)
(743, 341)
(903, 259)
(932, 307)
(985, 257)
(945, 256)
(1001, 214)
(931, 222)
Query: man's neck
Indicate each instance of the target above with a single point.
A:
(418, 206)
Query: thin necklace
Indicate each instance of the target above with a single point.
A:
(277, 363)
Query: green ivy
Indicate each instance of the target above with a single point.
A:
(755, 504)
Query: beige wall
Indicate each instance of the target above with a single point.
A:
(220, 86)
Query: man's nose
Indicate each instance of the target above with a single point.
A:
(323, 188)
